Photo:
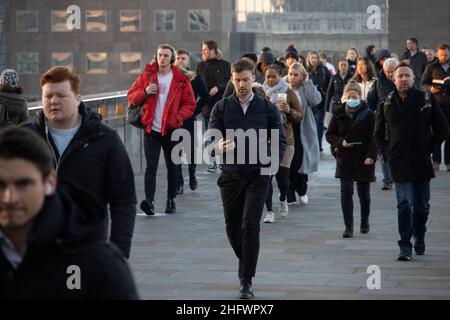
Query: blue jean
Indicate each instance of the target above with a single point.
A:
(413, 203)
(319, 115)
(386, 170)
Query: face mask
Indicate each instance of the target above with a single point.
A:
(353, 103)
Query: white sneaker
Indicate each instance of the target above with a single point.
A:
(284, 209)
(270, 217)
(304, 199)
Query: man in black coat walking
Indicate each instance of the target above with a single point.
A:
(215, 71)
(417, 60)
(380, 89)
(88, 153)
(436, 79)
(409, 123)
(47, 238)
(243, 187)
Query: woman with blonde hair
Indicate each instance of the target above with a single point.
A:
(306, 155)
(350, 135)
(279, 93)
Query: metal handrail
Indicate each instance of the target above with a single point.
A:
(92, 97)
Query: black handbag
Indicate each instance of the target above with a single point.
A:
(135, 114)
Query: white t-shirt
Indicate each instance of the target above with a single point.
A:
(163, 92)
(62, 137)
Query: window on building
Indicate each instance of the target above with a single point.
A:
(96, 63)
(130, 62)
(164, 20)
(96, 20)
(62, 59)
(59, 21)
(26, 21)
(198, 20)
(28, 62)
(130, 20)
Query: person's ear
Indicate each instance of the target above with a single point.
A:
(50, 184)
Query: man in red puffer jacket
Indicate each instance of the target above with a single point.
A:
(168, 100)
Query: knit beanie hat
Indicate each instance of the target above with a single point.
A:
(9, 78)
(291, 52)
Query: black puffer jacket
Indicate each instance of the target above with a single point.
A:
(62, 236)
(97, 161)
(16, 106)
(411, 134)
(215, 73)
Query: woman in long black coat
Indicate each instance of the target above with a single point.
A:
(350, 135)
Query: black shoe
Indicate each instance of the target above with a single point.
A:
(348, 233)
(170, 206)
(387, 186)
(148, 207)
(404, 257)
(180, 189)
(365, 228)
(193, 183)
(246, 291)
(419, 247)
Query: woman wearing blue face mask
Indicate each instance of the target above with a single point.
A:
(350, 135)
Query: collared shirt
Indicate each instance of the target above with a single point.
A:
(10, 251)
(244, 105)
(445, 66)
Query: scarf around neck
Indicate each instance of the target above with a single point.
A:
(272, 92)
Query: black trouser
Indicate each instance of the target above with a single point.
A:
(297, 181)
(153, 143)
(269, 203)
(437, 150)
(180, 179)
(243, 202)
(282, 177)
(347, 200)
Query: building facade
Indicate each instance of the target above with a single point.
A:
(114, 41)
